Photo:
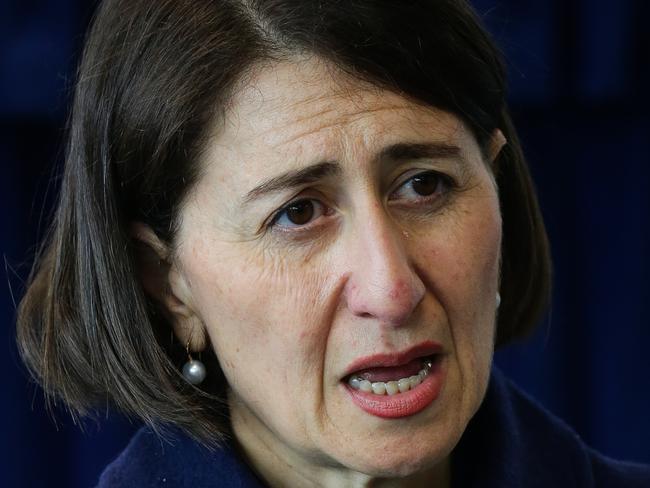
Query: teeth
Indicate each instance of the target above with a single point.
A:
(391, 387)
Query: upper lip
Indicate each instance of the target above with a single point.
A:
(423, 349)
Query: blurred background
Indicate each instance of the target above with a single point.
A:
(580, 79)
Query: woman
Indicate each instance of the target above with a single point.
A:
(290, 235)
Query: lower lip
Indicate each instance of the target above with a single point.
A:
(402, 404)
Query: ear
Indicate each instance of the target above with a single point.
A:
(164, 282)
(495, 145)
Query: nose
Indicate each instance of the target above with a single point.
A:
(382, 282)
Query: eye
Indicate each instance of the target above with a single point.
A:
(423, 186)
(299, 213)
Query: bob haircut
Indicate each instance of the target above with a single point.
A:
(153, 78)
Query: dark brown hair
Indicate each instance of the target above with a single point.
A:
(154, 74)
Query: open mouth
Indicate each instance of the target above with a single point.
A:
(393, 380)
(397, 385)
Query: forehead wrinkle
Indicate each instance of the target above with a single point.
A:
(299, 121)
(349, 118)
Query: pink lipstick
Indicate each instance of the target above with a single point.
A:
(396, 385)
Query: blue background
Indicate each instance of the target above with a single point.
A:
(579, 71)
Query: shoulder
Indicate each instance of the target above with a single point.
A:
(514, 441)
(611, 473)
(175, 460)
(555, 438)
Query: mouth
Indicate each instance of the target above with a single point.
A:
(393, 380)
(397, 385)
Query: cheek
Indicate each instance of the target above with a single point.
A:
(464, 274)
(479, 282)
(264, 313)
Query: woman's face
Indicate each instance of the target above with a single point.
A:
(340, 231)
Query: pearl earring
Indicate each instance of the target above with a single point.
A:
(498, 299)
(193, 370)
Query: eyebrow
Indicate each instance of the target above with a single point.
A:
(293, 179)
(402, 151)
(325, 169)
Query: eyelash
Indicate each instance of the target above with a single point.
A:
(443, 180)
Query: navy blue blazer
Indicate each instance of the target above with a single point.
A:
(512, 441)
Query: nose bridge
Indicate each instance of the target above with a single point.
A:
(382, 281)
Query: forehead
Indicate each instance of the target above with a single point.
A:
(309, 101)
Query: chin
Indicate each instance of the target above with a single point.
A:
(404, 457)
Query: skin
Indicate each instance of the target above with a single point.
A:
(379, 268)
